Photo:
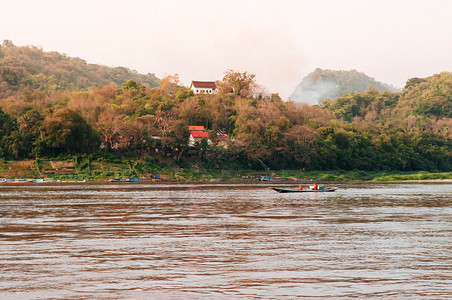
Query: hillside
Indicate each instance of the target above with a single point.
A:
(323, 84)
(368, 131)
(422, 101)
(29, 67)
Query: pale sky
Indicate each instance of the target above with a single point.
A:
(279, 41)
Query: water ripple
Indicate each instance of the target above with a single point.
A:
(225, 241)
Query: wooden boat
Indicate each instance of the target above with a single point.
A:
(123, 180)
(320, 190)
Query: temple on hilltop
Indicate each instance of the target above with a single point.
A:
(203, 87)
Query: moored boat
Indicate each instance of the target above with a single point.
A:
(123, 180)
(115, 180)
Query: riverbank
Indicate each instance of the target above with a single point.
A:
(423, 181)
(149, 170)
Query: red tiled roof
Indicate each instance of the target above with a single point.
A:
(204, 84)
(196, 128)
(197, 134)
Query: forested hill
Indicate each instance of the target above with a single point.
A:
(323, 84)
(29, 67)
(46, 111)
(423, 101)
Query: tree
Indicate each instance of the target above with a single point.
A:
(109, 125)
(172, 130)
(130, 85)
(236, 83)
(8, 127)
(7, 44)
(184, 93)
(8, 124)
(299, 144)
(170, 84)
(412, 82)
(66, 129)
(29, 134)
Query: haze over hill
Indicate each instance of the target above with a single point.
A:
(323, 84)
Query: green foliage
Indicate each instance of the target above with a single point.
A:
(142, 130)
(33, 68)
(184, 94)
(82, 163)
(130, 85)
(8, 124)
(65, 129)
(430, 96)
(361, 105)
(414, 176)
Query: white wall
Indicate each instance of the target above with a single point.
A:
(203, 90)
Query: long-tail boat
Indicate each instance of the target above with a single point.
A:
(319, 190)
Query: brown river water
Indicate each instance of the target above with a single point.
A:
(215, 241)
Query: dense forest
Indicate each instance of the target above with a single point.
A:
(52, 105)
(32, 70)
(322, 84)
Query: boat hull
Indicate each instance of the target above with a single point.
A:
(279, 190)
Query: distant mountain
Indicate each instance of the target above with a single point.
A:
(322, 84)
(29, 67)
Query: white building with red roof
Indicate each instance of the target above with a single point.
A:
(197, 133)
(203, 87)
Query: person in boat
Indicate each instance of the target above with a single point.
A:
(300, 188)
(315, 187)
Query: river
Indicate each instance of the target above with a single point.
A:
(240, 241)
